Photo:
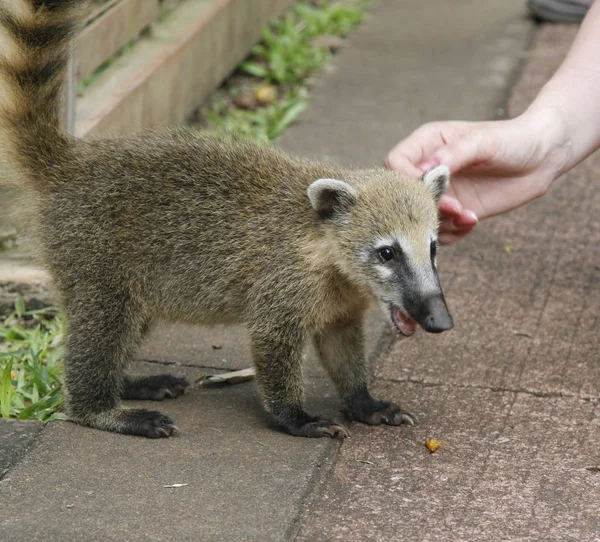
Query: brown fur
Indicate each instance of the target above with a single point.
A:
(186, 227)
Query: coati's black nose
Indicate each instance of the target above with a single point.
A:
(430, 312)
(435, 317)
(436, 323)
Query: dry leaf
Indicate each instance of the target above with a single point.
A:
(244, 101)
(508, 249)
(433, 444)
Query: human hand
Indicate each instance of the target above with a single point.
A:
(496, 165)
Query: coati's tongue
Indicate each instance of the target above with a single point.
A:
(405, 324)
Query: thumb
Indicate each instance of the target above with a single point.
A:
(471, 149)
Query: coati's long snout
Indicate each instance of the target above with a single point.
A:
(426, 310)
(430, 312)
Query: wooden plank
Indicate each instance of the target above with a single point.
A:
(169, 74)
(109, 29)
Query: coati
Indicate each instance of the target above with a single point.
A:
(187, 227)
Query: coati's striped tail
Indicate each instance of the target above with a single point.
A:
(35, 40)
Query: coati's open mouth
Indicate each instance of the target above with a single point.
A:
(403, 322)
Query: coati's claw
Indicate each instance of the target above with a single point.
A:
(320, 428)
(154, 388)
(409, 418)
(148, 423)
(389, 414)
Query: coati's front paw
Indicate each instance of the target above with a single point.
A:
(379, 412)
(318, 428)
(154, 388)
(148, 423)
(131, 421)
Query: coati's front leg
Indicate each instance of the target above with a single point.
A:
(277, 353)
(342, 352)
(102, 337)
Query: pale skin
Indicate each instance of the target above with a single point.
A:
(498, 166)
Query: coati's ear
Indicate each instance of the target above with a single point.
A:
(330, 197)
(437, 180)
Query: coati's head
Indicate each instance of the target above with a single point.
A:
(383, 228)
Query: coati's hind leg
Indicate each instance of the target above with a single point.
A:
(103, 332)
(342, 352)
(153, 388)
(278, 361)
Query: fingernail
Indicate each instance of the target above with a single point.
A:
(428, 164)
(450, 205)
(457, 207)
(471, 216)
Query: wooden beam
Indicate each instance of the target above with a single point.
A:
(169, 73)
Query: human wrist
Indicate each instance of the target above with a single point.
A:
(552, 134)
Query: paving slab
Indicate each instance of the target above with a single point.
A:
(16, 436)
(244, 479)
(515, 467)
(514, 388)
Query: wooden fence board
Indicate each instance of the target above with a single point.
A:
(169, 74)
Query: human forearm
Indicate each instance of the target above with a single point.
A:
(570, 102)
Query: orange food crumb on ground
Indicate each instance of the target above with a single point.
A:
(433, 444)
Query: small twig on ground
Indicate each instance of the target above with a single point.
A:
(523, 334)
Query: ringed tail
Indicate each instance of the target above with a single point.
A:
(35, 38)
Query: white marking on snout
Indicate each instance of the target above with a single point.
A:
(428, 284)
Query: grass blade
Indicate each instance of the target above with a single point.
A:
(6, 390)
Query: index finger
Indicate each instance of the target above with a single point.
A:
(411, 150)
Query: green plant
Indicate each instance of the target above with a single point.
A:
(286, 54)
(265, 124)
(331, 18)
(287, 57)
(30, 368)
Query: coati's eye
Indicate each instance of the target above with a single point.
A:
(433, 249)
(386, 254)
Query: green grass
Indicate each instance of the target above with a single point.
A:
(265, 124)
(30, 364)
(287, 58)
(286, 54)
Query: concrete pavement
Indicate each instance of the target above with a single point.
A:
(513, 389)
